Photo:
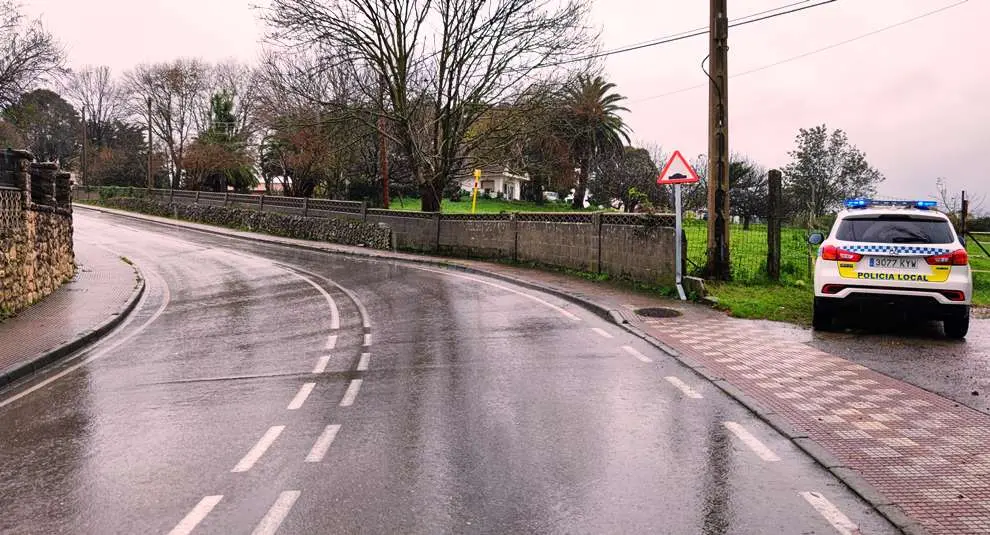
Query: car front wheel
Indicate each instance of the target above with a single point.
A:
(957, 326)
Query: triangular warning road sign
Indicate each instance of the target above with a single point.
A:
(678, 171)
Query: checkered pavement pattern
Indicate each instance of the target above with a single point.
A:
(101, 288)
(896, 249)
(924, 453)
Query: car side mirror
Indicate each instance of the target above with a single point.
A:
(816, 238)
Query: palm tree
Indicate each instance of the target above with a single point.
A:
(593, 126)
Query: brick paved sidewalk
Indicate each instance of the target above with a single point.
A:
(926, 456)
(101, 289)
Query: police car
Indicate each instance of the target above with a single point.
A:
(893, 257)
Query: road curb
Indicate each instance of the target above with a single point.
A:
(826, 460)
(86, 338)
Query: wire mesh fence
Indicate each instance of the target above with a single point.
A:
(748, 252)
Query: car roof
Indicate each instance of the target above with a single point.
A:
(889, 210)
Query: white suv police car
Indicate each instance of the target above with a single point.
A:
(894, 257)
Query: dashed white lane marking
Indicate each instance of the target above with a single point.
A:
(198, 513)
(684, 387)
(637, 354)
(322, 444)
(602, 332)
(259, 449)
(563, 312)
(351, 394)
(332, 341)
(166, 298)
(364, 362)
(754, 443)
(276, 515)
(304, 392)
(367, 340)
(839, 521)
(321, 365)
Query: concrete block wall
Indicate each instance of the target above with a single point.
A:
(569, 245)
(639, 253)
(482, 238)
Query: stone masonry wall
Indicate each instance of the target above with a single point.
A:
(630, 246)
(346, 232)
(36, 255)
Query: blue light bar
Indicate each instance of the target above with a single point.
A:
(865, 203)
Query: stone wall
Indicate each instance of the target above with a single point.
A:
(36, 255)
(623, 245)
(337, 230)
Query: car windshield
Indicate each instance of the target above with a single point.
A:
(895, 229)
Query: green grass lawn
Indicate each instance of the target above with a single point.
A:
(777, 302)
(485, 206)
(980, 263)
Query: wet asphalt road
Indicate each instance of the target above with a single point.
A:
(235, 400)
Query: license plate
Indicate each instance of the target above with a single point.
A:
(897, 263)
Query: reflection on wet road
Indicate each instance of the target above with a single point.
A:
(266, 389)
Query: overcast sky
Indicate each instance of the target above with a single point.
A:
(914, 98)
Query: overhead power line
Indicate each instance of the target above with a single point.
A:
(749, 19)
(811, 52)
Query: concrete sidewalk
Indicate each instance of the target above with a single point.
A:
(101, 294)
(921, 459)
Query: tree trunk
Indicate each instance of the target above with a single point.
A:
(746, 219)
(430, 197)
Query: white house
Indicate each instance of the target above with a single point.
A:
(495, 180)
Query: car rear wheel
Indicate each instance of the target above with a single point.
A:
(957, 326)
(823, 315)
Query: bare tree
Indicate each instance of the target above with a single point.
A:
(103, 98)
(433, 68)
(178, 91)
(29, 54)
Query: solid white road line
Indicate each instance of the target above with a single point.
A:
(259, 449)
(166, 298)
(276, 515)
(321, 365)
(332, 341)
(365, 361)
(754, 443)
(637, 354)
(351, 394)
(322, 444)
(334, 313)
(198, 513)
(839, 521)
(365, 318)
(304, 392)
(683, 387)
(602, 332)
(367, 340)
(563, 312)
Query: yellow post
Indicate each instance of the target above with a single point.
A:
(474, 192)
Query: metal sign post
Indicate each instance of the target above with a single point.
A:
(677, 172)
(678, 245)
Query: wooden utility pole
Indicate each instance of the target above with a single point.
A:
(718, 144)
(85, 148)
(384, 161)
(774, 187)
(964, 215)
(151, 149)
